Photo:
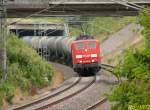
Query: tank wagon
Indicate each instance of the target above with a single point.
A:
(80, 53)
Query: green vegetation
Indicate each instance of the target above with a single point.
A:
(101, 27)
(26, 69)
(136, 68)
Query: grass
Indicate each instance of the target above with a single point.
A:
(26, 70)
(102, 27)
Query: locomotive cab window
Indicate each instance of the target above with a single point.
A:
(79, 46)
(91, 45)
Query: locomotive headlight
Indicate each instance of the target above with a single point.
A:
(93, 60)
(78, 56)
(93, 55)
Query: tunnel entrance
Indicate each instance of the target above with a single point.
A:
(38, 29)
(27, 32)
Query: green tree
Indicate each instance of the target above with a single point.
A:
(136, 68)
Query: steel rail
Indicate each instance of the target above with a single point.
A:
(100, 102)
(107, 65)
(69, 96)
(103, 100)
(107, 69)
(47, 97)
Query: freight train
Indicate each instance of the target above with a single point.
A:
(82, 53)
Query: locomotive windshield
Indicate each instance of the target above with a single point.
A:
(91, 45)
(80, 45)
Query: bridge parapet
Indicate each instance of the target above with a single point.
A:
(45, 3)
(28, 1)
(21, 8)
(14, 4)
(95, 1)
(72, 1)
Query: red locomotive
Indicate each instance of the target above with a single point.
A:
(86, 55)
(83, 52)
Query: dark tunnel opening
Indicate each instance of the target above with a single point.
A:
(27, 32)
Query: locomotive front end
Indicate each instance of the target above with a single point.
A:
(86, 55)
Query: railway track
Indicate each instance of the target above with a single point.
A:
(100, 102)
(80, 85)
(66, 93)
(107, 67)
(48, 96)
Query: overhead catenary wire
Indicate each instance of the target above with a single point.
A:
(122, 2)
(85, 21)
(39, 12)
(3, 34)
(36, 13)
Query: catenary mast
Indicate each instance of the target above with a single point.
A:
(3, 29)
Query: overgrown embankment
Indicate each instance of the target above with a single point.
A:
(101, 27)
(26, 70)
(134, 93)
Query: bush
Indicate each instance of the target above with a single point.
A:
(136, 67)
(25, 69)
(7, 91)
